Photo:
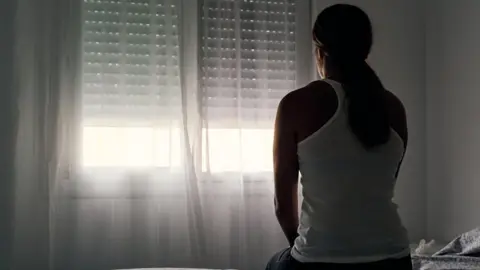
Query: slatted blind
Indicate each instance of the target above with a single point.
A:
(249, 59)
(131, 62)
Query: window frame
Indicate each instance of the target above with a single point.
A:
(190, 40)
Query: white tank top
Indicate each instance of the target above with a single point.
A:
(348, 214)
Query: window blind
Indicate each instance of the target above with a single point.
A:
(249, 59)
(131, 62)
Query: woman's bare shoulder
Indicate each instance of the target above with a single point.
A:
(309, 108)
(316, 89)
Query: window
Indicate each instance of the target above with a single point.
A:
(132, 104)
(248, 59)
(131, 67)
(248, 65)
(131, 93)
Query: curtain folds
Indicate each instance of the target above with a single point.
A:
(47, 79)
(141, 131)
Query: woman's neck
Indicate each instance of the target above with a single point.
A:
(338, 73)
(333, 75)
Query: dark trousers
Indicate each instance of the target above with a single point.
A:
(284, 261)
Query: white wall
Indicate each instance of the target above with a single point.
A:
(398, 56)
(453, 110)
(7, 119)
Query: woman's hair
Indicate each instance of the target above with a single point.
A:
(343, 33)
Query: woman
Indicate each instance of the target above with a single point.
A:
(347, 136)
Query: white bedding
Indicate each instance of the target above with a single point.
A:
(462, 253)
(426, 248)
(173, 269)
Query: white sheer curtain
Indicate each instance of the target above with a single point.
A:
(45, 61)
(157, 153)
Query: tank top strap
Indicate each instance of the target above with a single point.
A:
(338, 89)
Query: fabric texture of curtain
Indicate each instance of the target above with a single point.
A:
(143, 130)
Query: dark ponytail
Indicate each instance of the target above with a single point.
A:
(344, 34)
(367, 111)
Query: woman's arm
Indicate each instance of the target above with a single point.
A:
(286, 170)
(398, 121)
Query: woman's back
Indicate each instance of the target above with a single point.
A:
(346, 135)
(347, 214)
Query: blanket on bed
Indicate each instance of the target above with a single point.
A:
(463, 253)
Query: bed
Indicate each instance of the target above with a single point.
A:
(173, 269)
(463, 253)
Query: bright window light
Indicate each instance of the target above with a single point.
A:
(224, 150)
